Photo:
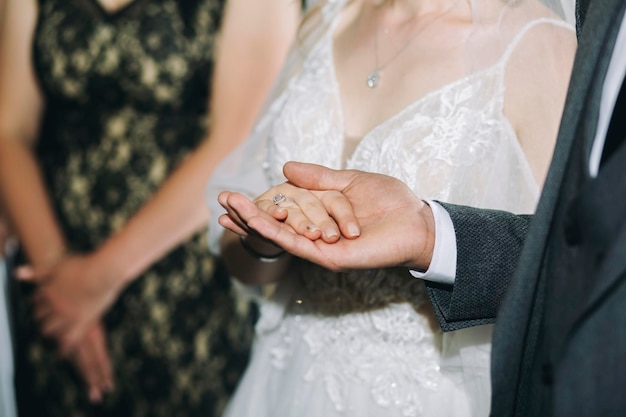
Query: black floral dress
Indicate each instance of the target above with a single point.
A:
(126, 99)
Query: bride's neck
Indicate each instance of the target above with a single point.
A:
(409, 9)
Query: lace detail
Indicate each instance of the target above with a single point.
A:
(328, 293)
(391, 351)
(454, 136)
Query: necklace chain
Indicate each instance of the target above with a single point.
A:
(373, 78)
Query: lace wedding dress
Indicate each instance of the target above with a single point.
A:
(360, 343)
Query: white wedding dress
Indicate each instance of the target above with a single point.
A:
(354, 344)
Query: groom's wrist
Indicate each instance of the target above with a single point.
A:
(438, 257)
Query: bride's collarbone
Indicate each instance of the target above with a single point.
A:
(398, 87)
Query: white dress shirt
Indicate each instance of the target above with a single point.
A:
(443, 265)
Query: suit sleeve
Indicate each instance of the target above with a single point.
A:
(489, 243)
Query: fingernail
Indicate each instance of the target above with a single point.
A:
(330, 233)
(353, 229)
(21, 272)
(312, 228)
(94, 395)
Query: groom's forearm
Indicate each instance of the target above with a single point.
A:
(489, 243)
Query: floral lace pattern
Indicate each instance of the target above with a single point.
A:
(449, 138)
(391, 351)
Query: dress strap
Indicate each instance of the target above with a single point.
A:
(524, 30)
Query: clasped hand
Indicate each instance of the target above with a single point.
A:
(71, 295)
(69, 300)
(341, 220)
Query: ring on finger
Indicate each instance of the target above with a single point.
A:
(281, 198)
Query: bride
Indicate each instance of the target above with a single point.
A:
(459, 99)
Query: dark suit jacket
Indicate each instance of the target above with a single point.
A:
(544, 364)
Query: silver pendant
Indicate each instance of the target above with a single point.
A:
(373, 78)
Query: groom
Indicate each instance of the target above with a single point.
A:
(557, 281)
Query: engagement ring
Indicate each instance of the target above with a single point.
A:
(279, 198)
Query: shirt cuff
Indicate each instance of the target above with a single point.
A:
(442, 267)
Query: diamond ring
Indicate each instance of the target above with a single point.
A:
(279, 198)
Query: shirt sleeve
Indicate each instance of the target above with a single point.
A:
(442, 267)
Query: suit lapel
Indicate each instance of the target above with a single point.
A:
(605, 213)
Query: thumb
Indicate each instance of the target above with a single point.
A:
(28, 273)
(316, 177)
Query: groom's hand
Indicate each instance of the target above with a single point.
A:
(396, 227)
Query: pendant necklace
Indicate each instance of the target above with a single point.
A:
(373, 78)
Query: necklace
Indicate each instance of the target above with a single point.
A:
(373, 78)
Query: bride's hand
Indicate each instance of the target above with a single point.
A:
(308, 213)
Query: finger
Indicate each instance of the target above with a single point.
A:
(240, 209)
(42, 312)
(103, 361)
(320, 215)
(316, 177)
(283, 236)
(236, 206)
(277, 211)
(44, 309)
(95, 394)
(71, 337)
(306, 213)
(227, 222)
(40, 298)
(273, 199)
(87, 368)
(295, 217)
(54, 326)
(26, 273)
(341, 210)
